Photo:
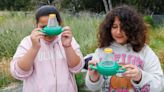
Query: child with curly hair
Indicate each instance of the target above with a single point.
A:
(124, 31)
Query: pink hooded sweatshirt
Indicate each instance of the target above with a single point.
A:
(50, 72)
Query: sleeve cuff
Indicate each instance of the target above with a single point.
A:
(142, 82)
(21, 73)
(78, 67)
(94, 85)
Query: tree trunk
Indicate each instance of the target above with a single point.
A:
(110, 4)
(106, 6)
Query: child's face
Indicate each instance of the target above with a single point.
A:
(43, 21)
(117, 33)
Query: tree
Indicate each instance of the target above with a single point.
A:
(107, 5)
(110, 4)
(14, 4)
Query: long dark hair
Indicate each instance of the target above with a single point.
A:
(132, 24)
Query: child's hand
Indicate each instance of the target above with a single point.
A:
(133, 72)
(94, 75)
(66, 37)
(35, 37)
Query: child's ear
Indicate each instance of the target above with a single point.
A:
(39, 25)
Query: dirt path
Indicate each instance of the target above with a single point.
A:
(15, 87)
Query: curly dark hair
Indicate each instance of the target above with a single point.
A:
(131, 22)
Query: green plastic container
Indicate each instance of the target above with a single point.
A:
(108, 68)
(52, 31)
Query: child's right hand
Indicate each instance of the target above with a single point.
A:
(93, 75)
(36, 35)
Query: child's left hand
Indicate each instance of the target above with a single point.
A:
(133, 72)
(66, 37)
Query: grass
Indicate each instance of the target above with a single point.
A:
(157, 43)
(84, 28)
(5, 78)
(13, 28)
(16, 25)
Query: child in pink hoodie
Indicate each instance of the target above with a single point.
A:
(47, 63)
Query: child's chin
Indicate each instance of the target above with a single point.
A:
(49, 38)
(121, 42)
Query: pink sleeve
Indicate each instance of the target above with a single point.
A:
(76, 47)
(16, 71)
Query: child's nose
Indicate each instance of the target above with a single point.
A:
(119, 30)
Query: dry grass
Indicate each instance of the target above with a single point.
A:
(5, 74)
